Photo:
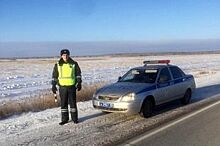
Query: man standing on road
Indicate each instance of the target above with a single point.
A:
(67, 75)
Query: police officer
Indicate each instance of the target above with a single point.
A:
(67, 75)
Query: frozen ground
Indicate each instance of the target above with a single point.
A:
(23, 78)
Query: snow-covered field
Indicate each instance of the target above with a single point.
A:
(23, 78)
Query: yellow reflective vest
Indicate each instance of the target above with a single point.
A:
(67, 75)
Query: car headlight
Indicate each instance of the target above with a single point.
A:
(128, 97)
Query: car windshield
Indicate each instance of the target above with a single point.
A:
(140, 76)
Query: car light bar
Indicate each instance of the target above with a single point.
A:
(156, 62)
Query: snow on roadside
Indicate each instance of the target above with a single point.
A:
(31, 120)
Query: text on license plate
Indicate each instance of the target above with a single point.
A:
(106, 105)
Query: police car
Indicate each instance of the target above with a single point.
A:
(143, 88)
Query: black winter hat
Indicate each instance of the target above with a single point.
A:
(64, 51)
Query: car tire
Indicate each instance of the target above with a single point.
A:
(147, 109)
(187, 97)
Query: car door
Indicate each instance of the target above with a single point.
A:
(164, 89)
(179, 82)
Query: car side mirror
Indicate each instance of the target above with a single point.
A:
(119, 78)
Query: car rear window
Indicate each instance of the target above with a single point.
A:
(176, 72)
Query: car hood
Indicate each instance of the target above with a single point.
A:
(122, 88)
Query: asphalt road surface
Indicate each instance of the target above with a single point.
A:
(201, 128)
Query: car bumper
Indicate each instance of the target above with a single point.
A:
(121, 107)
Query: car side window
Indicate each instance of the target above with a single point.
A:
(164, 75)
(176, 72)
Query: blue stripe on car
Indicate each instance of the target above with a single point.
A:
(182, 79)
(147, 89)
(178, 80)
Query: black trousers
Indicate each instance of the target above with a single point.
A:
(68, 95)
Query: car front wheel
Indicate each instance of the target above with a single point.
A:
(147, 108)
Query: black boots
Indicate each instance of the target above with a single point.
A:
(63, 122)
(76, 121)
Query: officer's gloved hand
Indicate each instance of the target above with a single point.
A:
(54, 89)
(79, 86)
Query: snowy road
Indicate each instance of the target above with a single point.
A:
(200, 128)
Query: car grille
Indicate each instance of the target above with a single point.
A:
(108, 98)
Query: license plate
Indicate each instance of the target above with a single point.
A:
(105, 105)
